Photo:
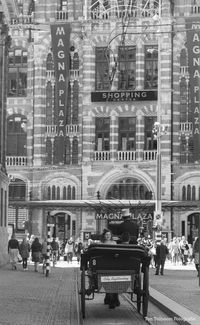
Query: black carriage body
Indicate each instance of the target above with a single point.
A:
(113, 268)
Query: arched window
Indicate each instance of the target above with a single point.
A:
(69, 194)
(193, 193)
(75, 61)
(58, 193)
(73, 193)
(53, 192)
(50, 62)
(188, 193)
(75, 151)
(49, 193)
(48, 151)
(64, 193)
(17, 189)
(184, 193)
(67, 151)
(75, 102)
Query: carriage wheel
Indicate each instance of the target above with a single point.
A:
(139, 294)
(83, 292)
(145, 292)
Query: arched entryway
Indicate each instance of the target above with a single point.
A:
(193, 225)
(62, 229)
(129, 188)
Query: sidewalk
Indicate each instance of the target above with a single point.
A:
(177, 292)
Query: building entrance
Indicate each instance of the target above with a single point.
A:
(193, 225)
(62, 226)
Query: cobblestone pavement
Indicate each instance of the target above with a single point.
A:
(30, 298)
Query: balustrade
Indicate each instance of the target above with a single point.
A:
(16, 161)
(126, 155)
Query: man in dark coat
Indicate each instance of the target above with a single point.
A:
(129, 226)
(161, 254)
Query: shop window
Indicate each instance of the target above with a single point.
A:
(127, 67)
(102, 142)
(150, 142)
(151, 67)
(16, 135)
(102, 69)
(127, 130)
(17, 73)
(17, 189)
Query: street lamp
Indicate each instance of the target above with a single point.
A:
(157, 128)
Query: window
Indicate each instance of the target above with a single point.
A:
(17, 190)
(102, 142)
(150, 143)
(151, 67)
(102, 69)
(64, 5)
(17, 75)
(127, 67)
(127, 129)
(16, 136)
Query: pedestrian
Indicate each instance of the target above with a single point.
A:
(129, 225)
(13, 251)
(184, 250)
(153, 255)
(36, 249)
(44, 249)
(196, 254)
(78, 249)
(69, 249)
(174, 250)
(161, 254)
(111, 299)
(24, 249)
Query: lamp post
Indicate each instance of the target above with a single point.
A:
(157, 127)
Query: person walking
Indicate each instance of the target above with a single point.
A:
(36, 249)
(24, 249)
(13, 251)
(161, 254)
(78, 249)
(174, 251)
(196, 254)
(69, 250)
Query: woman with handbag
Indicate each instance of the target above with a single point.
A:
(24, 249)
(36, 249)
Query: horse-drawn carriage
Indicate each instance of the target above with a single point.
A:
(115, 269)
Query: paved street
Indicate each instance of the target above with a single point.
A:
(30, 298)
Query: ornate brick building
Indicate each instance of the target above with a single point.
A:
(4, 43)
(87, 81)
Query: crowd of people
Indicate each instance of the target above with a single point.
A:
(31, 249)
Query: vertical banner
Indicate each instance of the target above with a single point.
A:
(193, 46)
(60, 34)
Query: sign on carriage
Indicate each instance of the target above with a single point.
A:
(116, 278)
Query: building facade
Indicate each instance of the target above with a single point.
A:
(4, 45)
(93, 88)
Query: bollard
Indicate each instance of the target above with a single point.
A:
(48, 249)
